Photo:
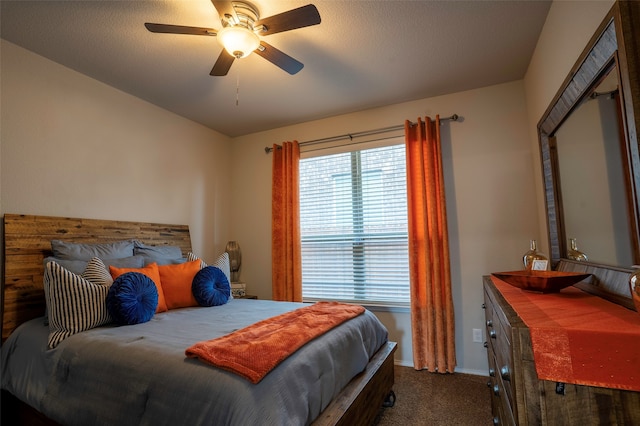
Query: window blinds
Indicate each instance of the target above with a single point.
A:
(353, 219)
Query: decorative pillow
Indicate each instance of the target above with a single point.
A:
(176, 284)
(162, 261)
(97, 272)
(83, 251)
(192, 257)
(132, 299)
(222, 262)
(75, 266)
(210, 287)
(152, 272)
(74, 304)
(78, 266)
(162, 255)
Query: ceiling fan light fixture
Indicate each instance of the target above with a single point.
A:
(238, 41)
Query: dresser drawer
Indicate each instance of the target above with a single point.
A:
(501, 404)
(500, 354)
(504, 360)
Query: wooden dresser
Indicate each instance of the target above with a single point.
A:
(520, 398)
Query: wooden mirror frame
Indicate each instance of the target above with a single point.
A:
(617, 42)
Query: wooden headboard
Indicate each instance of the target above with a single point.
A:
(27, 241)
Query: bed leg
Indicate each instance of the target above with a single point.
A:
(390, 399)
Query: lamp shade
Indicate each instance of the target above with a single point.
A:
(238, 41)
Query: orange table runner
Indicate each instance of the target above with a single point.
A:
(579, 338)
(253, 351)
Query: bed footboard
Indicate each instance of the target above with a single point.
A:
(359, 402)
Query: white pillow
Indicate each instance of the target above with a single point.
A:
(74, 304)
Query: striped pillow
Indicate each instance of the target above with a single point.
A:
(74, 304)
(97, 272)
(222, 262)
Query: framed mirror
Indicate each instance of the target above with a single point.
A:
(590, 153)
(592, 177)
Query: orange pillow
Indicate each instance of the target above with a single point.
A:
(151, 271)
(176, 283)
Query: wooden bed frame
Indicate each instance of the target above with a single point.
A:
(26, 244)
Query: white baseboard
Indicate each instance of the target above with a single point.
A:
(471, 371)
(404, 363)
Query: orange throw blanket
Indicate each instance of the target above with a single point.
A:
(252, 352)
(579, 338)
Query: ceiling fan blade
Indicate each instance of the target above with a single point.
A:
(278, 58)
(223, 64)
(179, 29)
(304, 16)
(225, 8)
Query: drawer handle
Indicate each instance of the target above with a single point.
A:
(496, 421)
(505, 373)
(492, 372)
(489, 384)
(493, 334)
(489, 323)
(496, 390)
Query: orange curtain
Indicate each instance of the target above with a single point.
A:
(286, 275)
(432, 321)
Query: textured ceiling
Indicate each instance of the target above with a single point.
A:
(364, 54)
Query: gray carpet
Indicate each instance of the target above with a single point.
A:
(424, 398)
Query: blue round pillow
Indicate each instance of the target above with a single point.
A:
(132, 299)
(210, 287)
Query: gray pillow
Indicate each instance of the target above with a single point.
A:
(78, 266)
(162, 255)
(84, 251)
(157, 252)
(160, 261)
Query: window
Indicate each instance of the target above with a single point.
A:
(353, 222)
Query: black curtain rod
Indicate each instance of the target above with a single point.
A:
(268, 149)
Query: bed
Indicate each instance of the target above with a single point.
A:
(57, 386)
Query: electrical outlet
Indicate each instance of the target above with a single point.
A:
(477, 335)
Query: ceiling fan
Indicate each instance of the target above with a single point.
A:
(241, 32)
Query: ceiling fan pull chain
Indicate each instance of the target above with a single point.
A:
(238, 89)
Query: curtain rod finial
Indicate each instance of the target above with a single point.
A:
(267, 150)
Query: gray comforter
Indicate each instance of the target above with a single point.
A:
(139, 375)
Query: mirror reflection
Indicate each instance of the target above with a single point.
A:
(591, 171)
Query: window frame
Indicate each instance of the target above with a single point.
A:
(314, 152)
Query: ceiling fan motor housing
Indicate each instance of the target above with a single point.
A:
(246, 15)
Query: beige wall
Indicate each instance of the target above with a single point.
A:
(71, 146)
(490, 198)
